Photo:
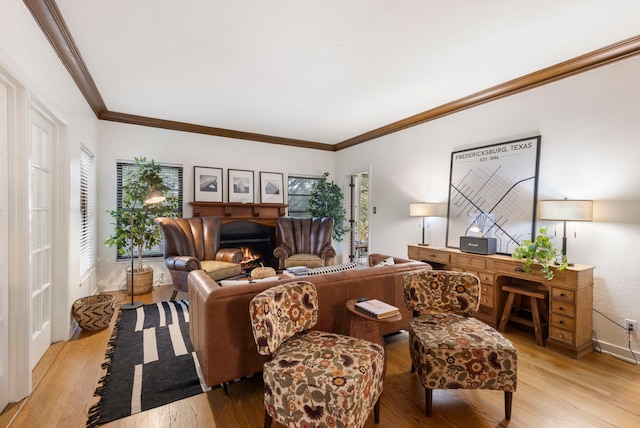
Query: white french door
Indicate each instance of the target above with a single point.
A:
(359, 217)
(40, 234)
(4, 250)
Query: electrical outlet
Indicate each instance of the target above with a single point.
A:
(631, 325)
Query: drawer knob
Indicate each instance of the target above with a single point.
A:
(563, 295)
(432, 255)
(561, 308)
(560, 322)
(561, 335)
(519, 269)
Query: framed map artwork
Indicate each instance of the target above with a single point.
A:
(493, 192)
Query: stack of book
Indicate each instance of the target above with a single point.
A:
(296, 271)
(376, 309)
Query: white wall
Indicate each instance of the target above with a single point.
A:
(590, 127)
(124, 142)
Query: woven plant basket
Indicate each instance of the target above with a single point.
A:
(93, 312)
(142, 281)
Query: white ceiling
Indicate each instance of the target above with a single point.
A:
(324, 70)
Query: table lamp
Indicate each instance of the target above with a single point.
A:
(565, 210)
(423, 209)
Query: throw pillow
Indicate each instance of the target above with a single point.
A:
(386, 262)
(331, 269)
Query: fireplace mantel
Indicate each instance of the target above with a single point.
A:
(229, 212)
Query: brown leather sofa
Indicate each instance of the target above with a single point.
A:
(304, 242)
(194, 244)
(220, 326)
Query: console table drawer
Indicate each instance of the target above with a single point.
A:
(516, 270)
(486, 300)
(487, 290)
(434, 256)
(486, 278)
(563, 295)
(486, 311)
(563, 322)
(563, 308)
(562, 335)
(468, 261)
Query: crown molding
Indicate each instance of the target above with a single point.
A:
(208, 130)
(50, 20)
(598, 58)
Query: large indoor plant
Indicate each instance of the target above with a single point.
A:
(137, 184)
(326, 201)
(542, 252)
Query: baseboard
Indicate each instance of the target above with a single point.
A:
(619, 352)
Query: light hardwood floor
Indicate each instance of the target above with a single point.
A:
(553, 391)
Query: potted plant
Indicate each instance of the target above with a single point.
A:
(326, 201)
(542, 252)
(138, 182)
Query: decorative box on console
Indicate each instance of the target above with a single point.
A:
(472, 244)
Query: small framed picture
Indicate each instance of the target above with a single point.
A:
(271, 188)
(207, 184)
(241, 186)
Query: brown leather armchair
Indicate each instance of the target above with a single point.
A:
(304, 242)
(193, 244)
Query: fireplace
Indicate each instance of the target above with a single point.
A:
(256, 240)
(246, 226)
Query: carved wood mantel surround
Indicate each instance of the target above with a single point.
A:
(266, 214)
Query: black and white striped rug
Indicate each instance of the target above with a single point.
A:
(149, 362)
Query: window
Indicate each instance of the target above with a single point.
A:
(299, 191)
(172, 177)
(87, 211)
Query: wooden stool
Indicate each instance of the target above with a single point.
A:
(539, 309)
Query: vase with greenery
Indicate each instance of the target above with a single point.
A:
(138, 182)
(326, 201)
(542, 252)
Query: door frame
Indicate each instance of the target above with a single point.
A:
(348, 206)
(20, 103)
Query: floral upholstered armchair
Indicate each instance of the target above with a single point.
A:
(449, 348)
(314, 378)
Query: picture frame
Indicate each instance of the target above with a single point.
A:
(241, 186)
(207, 184)
(272, 187)
(493, 193)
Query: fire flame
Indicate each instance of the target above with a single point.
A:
(248, 256)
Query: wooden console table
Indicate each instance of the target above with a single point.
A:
(570, 292)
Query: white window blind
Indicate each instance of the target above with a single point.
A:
(87, 211)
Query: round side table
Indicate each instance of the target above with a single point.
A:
(366, 327)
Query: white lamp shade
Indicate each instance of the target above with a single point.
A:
(423, 209)
(566, 210)
(154, 197)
